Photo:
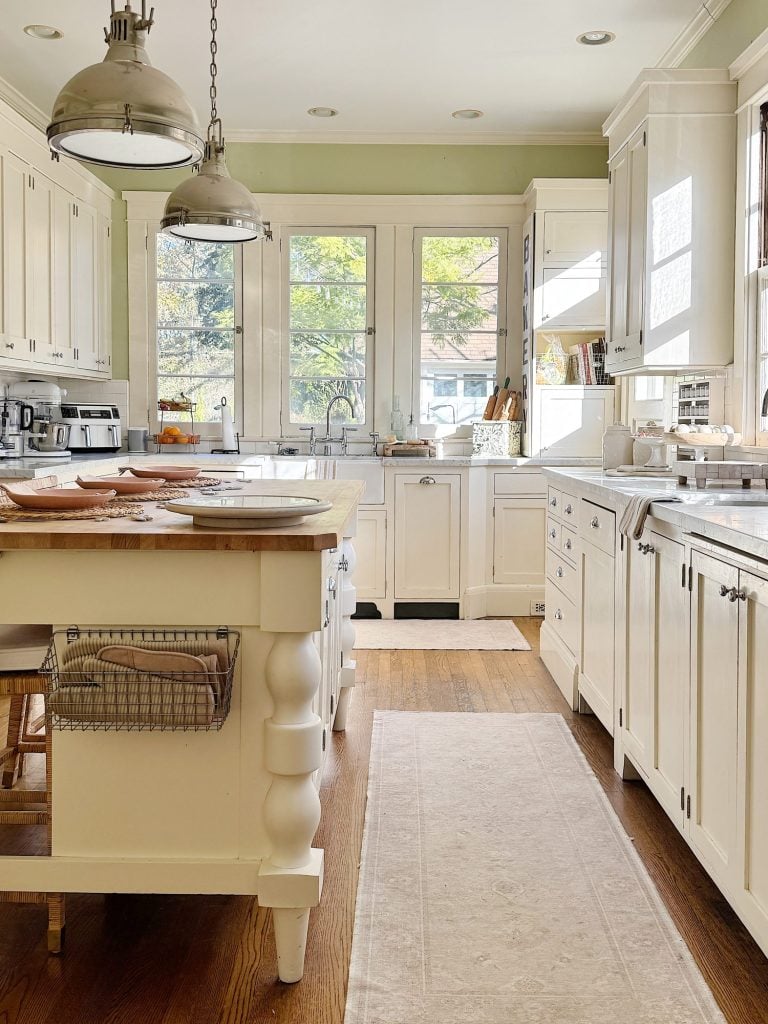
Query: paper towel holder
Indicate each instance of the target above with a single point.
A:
(227, 431)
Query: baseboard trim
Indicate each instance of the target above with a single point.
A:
(561, 664)
(500, 599)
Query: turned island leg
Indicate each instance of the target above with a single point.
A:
(348, 663)
(291, 879)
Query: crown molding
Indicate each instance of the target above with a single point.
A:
(694, 31)
(419, 138)
(18, 102)
(747, 59)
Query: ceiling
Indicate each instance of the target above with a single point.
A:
(391, 69)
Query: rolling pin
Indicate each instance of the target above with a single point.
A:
(500, 400)
(491, 404)
(514, 406)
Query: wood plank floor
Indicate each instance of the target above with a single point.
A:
(203, 960)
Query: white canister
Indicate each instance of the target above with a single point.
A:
(617, 446)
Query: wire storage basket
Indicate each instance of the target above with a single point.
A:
(177, 680)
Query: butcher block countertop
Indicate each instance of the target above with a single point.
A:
(169, 531)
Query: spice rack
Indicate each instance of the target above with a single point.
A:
(180, 404)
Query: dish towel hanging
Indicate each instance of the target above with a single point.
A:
(632, 522)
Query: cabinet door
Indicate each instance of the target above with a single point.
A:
(371, 549)
(572, 420)
(85, 282)
(15, 345)
(596, 670)
(39, 220)
(427, 536)
(753, 755)
(638, 207)
(638, 646)
(670, 686)
(574, 297)
(575, 236)
(63, 336)
(714, 714)
(104, 294)
(618, 241)
(519, 544)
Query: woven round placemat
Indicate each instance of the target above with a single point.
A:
(13, 514)
(198, 481)
(166, 494)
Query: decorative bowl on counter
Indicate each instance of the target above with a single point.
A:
(61, 499)
(712, 439)
(120, 484)
(162, 472)
(249, 511)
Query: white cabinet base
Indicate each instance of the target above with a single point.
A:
(561, 664)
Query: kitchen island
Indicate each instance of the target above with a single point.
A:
(229, 811)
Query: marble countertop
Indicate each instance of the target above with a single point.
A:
(732, 516)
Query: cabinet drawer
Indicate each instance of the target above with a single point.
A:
(554, 502)
(523, 484)
(561, 615)
(568, 540)
(569, 509)
(598, 526)
(562, 574)
(554, 529)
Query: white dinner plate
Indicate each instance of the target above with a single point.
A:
(249, 511)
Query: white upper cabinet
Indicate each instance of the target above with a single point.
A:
(574, 237)
(39, 227)
(672, 168)
(15, 344)
(85, 285)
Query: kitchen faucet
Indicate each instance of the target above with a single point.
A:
(329, 439)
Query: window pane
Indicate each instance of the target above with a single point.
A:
(309, 400)
(459, 326)
(328, 314)
(329, 306)
(328, 355)
(196, 352)
(193, 304)
(205, 391)
(196, 341)
(460, 259)
(328, 258)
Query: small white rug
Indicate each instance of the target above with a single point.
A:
(438, 635)
(498, 887)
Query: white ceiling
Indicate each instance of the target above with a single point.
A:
(391, 68)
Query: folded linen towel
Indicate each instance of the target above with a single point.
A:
(189, 668)
(632, 522)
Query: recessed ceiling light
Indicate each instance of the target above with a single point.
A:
(43, 32)
(322, 112)
(597, 37)
(467, 115)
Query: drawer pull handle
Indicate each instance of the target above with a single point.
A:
(736, 595)
(559, 615)
(553, 533)
(723, 590)
(569, 510)
(594, 523)
(553, 502)
(10, 345)
(559, 572)
(427, 480)
(568, 545)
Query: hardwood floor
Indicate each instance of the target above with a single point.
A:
(203, 960)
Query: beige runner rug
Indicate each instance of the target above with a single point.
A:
(438, 635)
(498, 887)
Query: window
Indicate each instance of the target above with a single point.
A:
(460, 316)
(329, 275)
(196, 337)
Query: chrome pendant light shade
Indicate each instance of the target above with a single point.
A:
(211, 206)
(123, 112)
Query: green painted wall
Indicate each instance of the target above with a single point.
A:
(740, 23)
(356, 170)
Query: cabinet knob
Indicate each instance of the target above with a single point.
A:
(736, 595)
(427, 480)
(568, 510)
(553, 533)
(558, 615)
(553, 502)
(594, 523)
(723, 590)
(559, 572)
(10, 344)
(568, 545)
(620, 348)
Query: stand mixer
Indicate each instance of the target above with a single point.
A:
(43, 435)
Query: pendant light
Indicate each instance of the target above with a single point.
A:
(211, 206)
(123, 112)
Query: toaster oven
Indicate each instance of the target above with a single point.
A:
(94, 428)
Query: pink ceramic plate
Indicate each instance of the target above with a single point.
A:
(166, 472)
(121, 484)
(55, 498)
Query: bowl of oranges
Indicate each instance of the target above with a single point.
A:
(175, 435)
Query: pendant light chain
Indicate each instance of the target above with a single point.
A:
(213, 68)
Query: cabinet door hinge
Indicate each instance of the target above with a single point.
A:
(610, 177)
(645, 136)
(690, 578)
(641, 335)
(684, 575)
(688, 806)
(622, 542)
(621, 718)
(682, 798)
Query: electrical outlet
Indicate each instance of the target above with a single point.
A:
(537, 607)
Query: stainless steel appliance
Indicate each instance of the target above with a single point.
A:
(15, 418)
(46, 437)
(93, 427)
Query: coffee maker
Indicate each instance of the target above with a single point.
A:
(16, 417)
(46, 437)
